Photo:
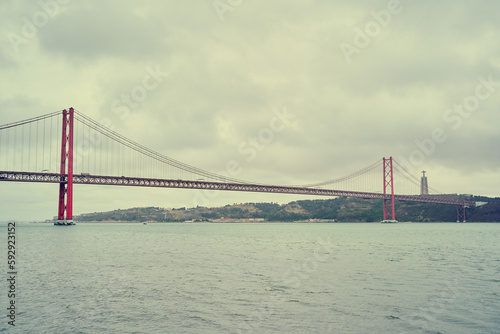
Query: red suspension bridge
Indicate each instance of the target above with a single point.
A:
(83, 151)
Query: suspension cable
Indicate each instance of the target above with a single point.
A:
(347, 177)
(29, 120)
(413, 179)
(148, 152)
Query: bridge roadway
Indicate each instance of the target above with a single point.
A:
(209, 185)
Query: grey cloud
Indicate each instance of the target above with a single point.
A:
(93, 30)
(226, 77)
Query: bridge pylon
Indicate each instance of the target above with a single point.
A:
(388, 183)
(65, 212)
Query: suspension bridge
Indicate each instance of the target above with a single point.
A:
(83, 151)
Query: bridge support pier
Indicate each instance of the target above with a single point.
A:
(64, 222)
(65, 212)
(461, 217)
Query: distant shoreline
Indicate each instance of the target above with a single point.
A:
(257, 222)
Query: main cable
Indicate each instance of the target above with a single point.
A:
(148, 152)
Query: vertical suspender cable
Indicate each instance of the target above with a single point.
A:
(8, 149)
(107, 155)
(94, 144)
(37, 141)
(15, 150)
(2, 143)
(43, 146)
(22, 147)
(101, 152)
(50, 145)
(87, 148)
(77, 158)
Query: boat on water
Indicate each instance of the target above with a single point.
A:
(389, 221)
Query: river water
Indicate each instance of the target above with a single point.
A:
(255, 278)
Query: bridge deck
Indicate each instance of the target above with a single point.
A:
(187, 184)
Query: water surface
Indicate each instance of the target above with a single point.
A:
(256, 278)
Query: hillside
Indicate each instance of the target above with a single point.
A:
(338, 209)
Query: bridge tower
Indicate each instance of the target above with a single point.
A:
(65, 212)
(388, 182)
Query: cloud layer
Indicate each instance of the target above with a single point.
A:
(230, 66)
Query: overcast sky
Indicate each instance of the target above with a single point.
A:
(353, 81)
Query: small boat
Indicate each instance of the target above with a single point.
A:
(389, 221)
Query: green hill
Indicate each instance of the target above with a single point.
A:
(338, 209)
